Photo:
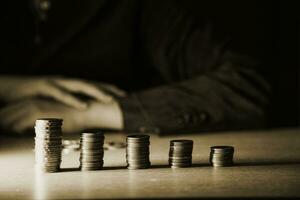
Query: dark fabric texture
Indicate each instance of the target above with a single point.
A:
(181, 75)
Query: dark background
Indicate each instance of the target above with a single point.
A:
(267, 29)
(270, 30)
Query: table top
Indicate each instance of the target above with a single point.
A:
(267, 164)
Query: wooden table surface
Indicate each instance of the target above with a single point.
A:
(267, 165)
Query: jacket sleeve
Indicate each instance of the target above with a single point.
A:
(208, 86)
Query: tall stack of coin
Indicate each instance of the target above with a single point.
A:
(137, 151)
(92, 152)
(48, 144)
(180, 154)
(221, 156)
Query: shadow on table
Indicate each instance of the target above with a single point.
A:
(72, 169)
(268, 163)
(114, 167)
(193, 165)
(163, 166)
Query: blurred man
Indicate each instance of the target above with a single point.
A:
(68, 59)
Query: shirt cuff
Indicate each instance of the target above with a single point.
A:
(135, 116)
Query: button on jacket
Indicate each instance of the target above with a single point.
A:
(180, 74)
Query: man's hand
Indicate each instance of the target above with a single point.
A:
(61, 89)
(21, 115)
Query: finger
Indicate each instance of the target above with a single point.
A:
(64, 97)
(26, 121)
(113, 89)
(10, 113)
(22, 123)
(84, 88)
(22, 116)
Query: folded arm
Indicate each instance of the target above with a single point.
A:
(207, 85)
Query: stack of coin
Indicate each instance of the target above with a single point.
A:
(91, 151)
(221, 156)
(180, 154)
(137, 151)
(48, 144)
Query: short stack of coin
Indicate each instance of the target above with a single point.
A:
(180, 154)
(137, 151)
(48, 144)
(221, 156)
(91, 151)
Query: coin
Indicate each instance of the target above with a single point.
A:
(221, 156)
(180, 153)
(137, 151)
(91, 151)
(48, 144)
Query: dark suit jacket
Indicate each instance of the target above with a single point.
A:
(182, 75)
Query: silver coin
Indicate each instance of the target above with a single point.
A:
(96, 165)
(182, 166)
(179, 154)
(142, 152)
(92, 154)
(49, 120)
(52, 138)
(222, 154)
(180, 163)
(137, 155)
(129, 151)
(48, 166)
(48, 146)
(221, 149)
(181, 149)
(48, 129)
(91, 164)
(43, 127)
(138, 137)
(90, 139)
(57, 142)
(92, 134)
(87, 142)
(47, 150)
(90, 169)
(91, 158)
(91, 151)
(46, 159)
(220, 159)
(48, 153)
(138, 167)
(81, 160)
(222, 164)
(181, 142)
(137, 142)
(48, 162)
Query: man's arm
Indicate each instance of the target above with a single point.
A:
(208, 86)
